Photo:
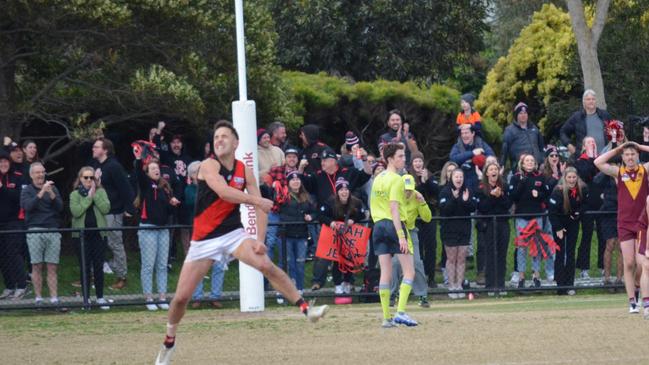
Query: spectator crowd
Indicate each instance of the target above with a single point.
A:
(547, 188)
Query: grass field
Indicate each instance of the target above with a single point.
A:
(583, 329)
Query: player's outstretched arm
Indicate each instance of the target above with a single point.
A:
(261, 209)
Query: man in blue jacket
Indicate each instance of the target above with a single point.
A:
(466, 153)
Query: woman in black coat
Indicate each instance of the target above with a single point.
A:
(567, 204)
(455, 200)
(492, 199)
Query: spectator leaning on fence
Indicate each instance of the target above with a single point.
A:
(416, 207)
(346, 208)
(528, 191)
(585, 165)
(456, 200)
(567, 204)
(89, 205)
(588, 121)
(12, 265)
(154, 199)
(521, 137)
(492, 199)
(111, 175)
(43, 205)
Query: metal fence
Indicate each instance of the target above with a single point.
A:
(154, 256)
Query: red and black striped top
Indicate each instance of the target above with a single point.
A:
(215, 217)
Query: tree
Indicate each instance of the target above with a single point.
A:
(538, 69)
(366, 40)
(76, 66)
(587, 40)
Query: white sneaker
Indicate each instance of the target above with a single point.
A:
(6, 293)
(633, 308)
(103, 301)
(645, 313)
(107, 269)
(461, 295)
(347, 288)
(164, 356)
(38, 301)
(338, 289)
(571, 292)
(150, 306)
(515, 279)
(279, 298)
(316, 312)
(54, 300)
(452, 295)
(163, 306)
(19, 294)
(585, 275)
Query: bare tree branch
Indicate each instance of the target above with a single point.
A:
(60, 151)
(52, 83)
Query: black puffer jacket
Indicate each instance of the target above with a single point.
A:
(291, 210)
(520, 192)
(576, 125)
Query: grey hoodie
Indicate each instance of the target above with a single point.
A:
(517, 141)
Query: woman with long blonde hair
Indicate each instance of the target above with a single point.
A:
(567, 204)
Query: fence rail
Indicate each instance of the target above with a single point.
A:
(73, 267)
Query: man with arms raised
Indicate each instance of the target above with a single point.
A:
(632, 191)
(387, 205)
(218, 234)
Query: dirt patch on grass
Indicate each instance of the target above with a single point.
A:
(587, 330)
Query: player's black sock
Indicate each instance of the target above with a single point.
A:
(304, 307)
(169, 341)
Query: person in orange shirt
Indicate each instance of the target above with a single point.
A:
(468, 115)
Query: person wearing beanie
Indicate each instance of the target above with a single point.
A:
(322, 184)
(269, 156)
(278, 178)
(346, 208)
(295, 205)
(467, 152)
(521, 137)
(468, 115)
(588, 121)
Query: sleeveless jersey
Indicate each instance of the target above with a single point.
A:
(215, 217)
(632, 190)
